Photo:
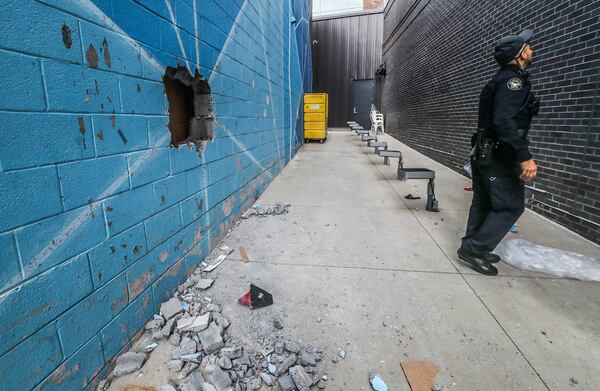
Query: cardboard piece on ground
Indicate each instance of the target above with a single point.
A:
(244, 254)
(420, 374)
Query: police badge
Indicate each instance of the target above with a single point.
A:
(514, 84)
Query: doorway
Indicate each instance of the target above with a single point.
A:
(362, 98)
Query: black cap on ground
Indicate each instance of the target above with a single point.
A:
(509, 47)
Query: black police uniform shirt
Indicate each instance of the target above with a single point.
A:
(507, 105)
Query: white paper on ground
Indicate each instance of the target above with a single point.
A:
(216, 264)
(529, 256)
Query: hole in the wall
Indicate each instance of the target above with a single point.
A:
(190, 107)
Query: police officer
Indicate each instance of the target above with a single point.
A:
(500, 160)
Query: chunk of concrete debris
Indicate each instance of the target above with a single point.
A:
(170, 308)
(220, 320)
(377, 383)
(193, 324)
(266, 378)
(175, 339)
(156, 323)
(204, 283)
(342, 354)
(225, 362)
(175, 365)
(213, 308)
(217, 377)
(167, 387)
(437, 387)
(244, 360)
(188, 368)
(335, 359)
(286, 364)
(286, 383)
(186, 346)
(129, 362)
(208, 387)
(308, 359)
(211, 339)
(194, 357)
(272, 368)
(292, 347)
(302, 379)
(193, 382)
(232, 351)
(321, 384)
(165, 332)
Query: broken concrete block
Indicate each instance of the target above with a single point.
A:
(321, 385)
(286, 383)
(194, 325)
(225, 362)
(232, 351)
(211, 339)
(193, 382)
(255, 384)
(175, 365)
(187, 346)
(168, 328)
(213, 308)
(266, 378)
(155, 324)
(188, 368)
(204, 283)
(217, 377)
(208, 387)
(244, 360)
(286, 364)
(210, 360)
(278, 324)
(175, 339)
(292, 347)
(167, 387)
(129, 362)
(308, 359)
(221, 320)
(170, 308)
(302, 379)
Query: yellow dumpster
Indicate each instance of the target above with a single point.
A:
(315, 116)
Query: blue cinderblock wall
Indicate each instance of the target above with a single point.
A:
(100, 218)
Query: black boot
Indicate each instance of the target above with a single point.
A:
(478, 262)
(492, 258)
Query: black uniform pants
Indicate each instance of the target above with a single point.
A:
(498, 201)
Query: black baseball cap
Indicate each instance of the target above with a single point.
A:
(509, 47)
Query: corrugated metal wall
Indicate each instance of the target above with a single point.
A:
(345, 47)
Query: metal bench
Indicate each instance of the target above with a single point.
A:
(378, 145)
(388, 154)
(421, 173)
(362, 131)
(367, 137)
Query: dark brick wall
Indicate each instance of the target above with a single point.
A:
(439, 55)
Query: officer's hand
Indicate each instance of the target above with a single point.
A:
(528, 170)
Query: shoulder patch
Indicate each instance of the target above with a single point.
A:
(514, 84)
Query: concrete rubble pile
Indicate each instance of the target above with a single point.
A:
(205, 358)
(266, 210)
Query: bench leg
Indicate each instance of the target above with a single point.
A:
(432, 203)
(386, 160)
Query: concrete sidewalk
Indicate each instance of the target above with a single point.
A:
(356, 266)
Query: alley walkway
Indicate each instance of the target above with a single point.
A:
(356, 266)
